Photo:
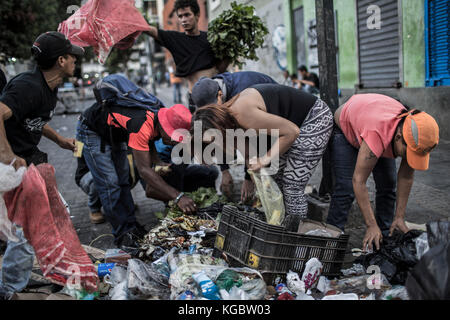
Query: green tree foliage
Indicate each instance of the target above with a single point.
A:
(236, 34)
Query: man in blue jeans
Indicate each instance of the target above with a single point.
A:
(371, 131)
(105, 132)
(84, 179)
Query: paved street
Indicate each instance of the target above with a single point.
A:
(429, 198)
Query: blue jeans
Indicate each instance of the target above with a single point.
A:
(343, 157)
(177, 93)
(17, 264)
(88, 186)
(110, 171)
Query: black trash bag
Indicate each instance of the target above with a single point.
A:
(438, 232)
(430, 279)
(396, 257)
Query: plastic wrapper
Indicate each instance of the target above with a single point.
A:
(118, 275)
(270, 196)
(234, 293)
(361, 284)
(323, 285)
(255, 289)
(421, 245)
(343, 296)
(10, 179)
(396, 293)
(311, 274)
(294, 283)
(356, 270)
(119, 292)
(144, 281)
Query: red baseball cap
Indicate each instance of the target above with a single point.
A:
(174, 118)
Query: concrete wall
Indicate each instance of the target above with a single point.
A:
(347, 43)
(413, 43)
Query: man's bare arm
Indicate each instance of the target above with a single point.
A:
(6, 153)
(153, 32)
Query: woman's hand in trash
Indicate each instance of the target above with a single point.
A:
(373, 234)
(257, 164)
(187, 205)
(247, 190)
(398, 224)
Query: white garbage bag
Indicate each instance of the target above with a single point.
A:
(9, 180)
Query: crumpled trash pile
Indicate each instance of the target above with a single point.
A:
(414, 265)
(180, 232)
(183, 275)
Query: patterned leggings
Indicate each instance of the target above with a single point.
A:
(298, 163)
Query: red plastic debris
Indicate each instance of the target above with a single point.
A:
(103, 24)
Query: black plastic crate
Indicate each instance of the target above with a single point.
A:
(272, 250)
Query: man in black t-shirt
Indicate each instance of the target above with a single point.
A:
(190, 49)
(2, 80)
(26, 107)
(310, 81)
(28, 100)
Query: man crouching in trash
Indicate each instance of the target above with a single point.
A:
(105, 133)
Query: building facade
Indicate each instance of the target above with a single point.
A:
(395, 47)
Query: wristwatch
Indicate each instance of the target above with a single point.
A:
(179, 197)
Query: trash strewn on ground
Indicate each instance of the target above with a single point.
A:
(176, 261)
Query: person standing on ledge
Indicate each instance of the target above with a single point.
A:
(190, 49)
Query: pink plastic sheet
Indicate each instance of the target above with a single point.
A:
(104, 24)
(36, 206)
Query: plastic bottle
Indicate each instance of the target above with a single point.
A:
(104, 268)
(209, 288)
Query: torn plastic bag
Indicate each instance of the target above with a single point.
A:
(103, 24)
(438, 232)
(361, 284)
(270, 196)
(10, 179)
(234, 293)
(430, 279)
(396, 257)
(396, 293)
(228, 279)
(37, 207)
(145, 281)
(421, 245)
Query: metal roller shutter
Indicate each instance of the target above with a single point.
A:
(379, 49)
(437, 20)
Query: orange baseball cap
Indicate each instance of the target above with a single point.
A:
(421, 134)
